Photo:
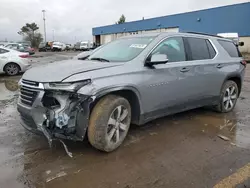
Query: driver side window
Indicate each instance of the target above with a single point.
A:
(172, 47)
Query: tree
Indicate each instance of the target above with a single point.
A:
(30, 33)
(122, 19)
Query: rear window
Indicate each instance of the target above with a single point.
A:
(2, 51)
(230, 47)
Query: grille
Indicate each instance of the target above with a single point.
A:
(31, 83)
(28, 95)
(28, 92)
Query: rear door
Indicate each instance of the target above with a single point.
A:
(201, 55)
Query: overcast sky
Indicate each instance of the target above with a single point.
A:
(73, 20)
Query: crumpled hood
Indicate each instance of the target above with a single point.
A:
(58, 71)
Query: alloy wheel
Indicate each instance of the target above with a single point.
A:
(117, 124)
(12, 69)
(230, 98)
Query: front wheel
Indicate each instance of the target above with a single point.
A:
(228, 97)
(109, 123)
(11, 69)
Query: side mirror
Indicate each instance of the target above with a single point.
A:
(241, 43)
(157, 59)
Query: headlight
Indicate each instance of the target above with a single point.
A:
(66, 86)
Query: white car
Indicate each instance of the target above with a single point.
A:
(13, 62)
(58, 46)
(86, 45)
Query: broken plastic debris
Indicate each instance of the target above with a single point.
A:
(223, 137)
(153, 133)
(232, 128)
(77, 171)
(66, 149)
(48, 172)
(233, 144)
(60, 174)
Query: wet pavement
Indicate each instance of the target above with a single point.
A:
(197, 148)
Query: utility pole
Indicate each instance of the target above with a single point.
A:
(43, 11)
(53, 35)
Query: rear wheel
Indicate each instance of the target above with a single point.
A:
(11, 69)
(229, 96)
(109, 123)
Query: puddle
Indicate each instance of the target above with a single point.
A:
(8, 89)
(234, 125)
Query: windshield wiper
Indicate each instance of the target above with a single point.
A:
(99, 59)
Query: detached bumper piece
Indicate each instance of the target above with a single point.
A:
(57, 115)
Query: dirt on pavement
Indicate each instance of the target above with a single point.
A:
(197, 148)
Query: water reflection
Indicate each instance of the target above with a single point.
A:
(11, 85)
(8, 89)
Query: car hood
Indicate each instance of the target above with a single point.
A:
(58, 71)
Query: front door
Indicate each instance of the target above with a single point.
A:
(166, 88)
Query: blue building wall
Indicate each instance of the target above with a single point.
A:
(232, 18)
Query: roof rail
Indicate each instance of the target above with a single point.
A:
(205, 34)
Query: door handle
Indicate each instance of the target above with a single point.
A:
(219, 66)
(185, 69)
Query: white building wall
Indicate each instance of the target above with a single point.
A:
(246, 47)
(107, 38)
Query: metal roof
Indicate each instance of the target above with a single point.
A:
(231, 18)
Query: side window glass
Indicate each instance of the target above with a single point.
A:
(199, 48)
(2, 51)
(230, 48)
(173, 48)
(211, 49)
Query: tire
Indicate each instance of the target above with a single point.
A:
(12, 69)
(229, 96)
(107, 130)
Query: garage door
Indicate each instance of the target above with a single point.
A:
(172, 29)
(106, 38)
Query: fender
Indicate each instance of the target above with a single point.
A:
(233, 75)
(91, 90)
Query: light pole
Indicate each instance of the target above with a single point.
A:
(43, 11)
(53, 35)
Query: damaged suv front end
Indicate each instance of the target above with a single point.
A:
(54, 109)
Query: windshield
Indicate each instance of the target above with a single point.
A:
(122, 50)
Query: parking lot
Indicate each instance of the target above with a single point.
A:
(198, 148)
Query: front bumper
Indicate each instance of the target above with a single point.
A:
(37, 118)
(26, 119)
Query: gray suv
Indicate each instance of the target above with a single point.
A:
(134, 79)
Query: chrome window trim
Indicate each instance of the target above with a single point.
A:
(215, 48)
(205, 38)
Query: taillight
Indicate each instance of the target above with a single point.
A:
(244, 62)
(24, 56)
